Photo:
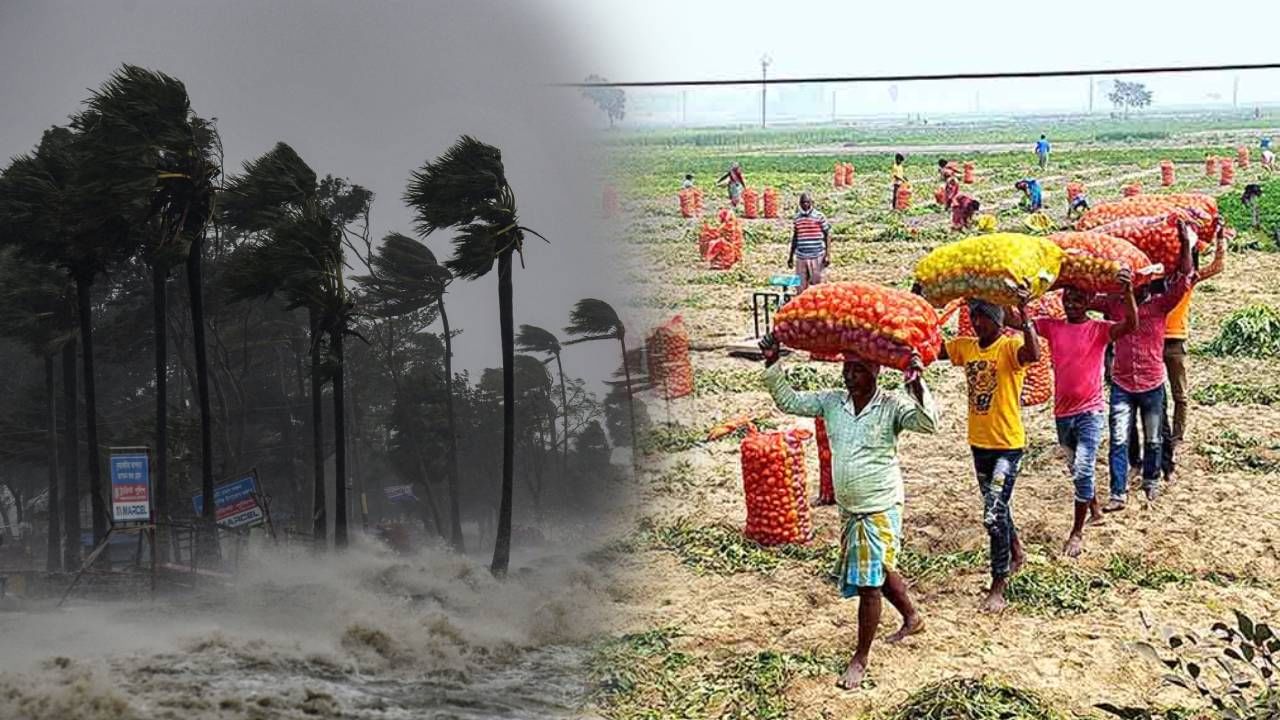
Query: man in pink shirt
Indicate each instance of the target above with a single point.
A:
(1078, 345)
(1138, 376)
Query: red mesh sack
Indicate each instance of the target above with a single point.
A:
(1228, 172)
(968, 173)
(697, 200)
(1166, 173)
(1210, 165)
(876, 323)
(667, 351)
(773, 481)
(848, 174)
(1091, 260)
(770, 203)
(902, 199)
(707, 235)
(751, 206)
(1155, 236)
(1132, 189)
(837, 175)
(1242, 157)
(686, 203)
(1074, 190)
(826, 485)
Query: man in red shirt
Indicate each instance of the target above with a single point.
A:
(1078, 345)
(1138, 377)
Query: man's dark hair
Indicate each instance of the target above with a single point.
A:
(942, 162)
(1041, 136)
(974, 205)
(1251, 191)
(899, 158)
(688, 176)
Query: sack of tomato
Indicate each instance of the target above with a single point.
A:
(880, 324)
(773, 481)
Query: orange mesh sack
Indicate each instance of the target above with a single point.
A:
(751, 208)
(1090, 261)
(1242, 157)
(826, 485)
(837, 175)
(707, 235)
(968, 173)
(770, 203)
(873, 322)
(848, 174)
(1210, 165)
(902, 199)
(668, 355)
(1074, 190)
(1132, 190)
(1228, 172)
(773, 481)
(1166, 173)
(686, 203)
(1200, 210)
(697, 200)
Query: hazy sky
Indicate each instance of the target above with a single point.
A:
(367, 90)
(666, 39)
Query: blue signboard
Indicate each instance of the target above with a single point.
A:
(235, 503)
(130, 487)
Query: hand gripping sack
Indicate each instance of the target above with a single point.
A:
(876, 323)
(1091, 261)
(989, 267)
(773, 481)
(667, 350)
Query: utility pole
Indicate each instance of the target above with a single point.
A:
(1235, 92)
(765, 60)
(833, 104)
(684, 107)
(1090, 95)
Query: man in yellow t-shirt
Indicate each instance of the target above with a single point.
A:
(995, 366)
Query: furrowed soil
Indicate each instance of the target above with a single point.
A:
(1210, 544)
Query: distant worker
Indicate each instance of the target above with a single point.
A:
(963, 210)
(688, 182)
(1266, 143)
(1042, 151)
(950, 183)
(736, 183)
(1268, 160)
(899, 179)
(1077, 206)
(1032, 199)
(810, 243)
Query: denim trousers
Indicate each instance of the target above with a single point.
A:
(1149, 406)
(1080, 436)
(997, 470)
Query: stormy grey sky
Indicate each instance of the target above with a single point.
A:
(366, 90)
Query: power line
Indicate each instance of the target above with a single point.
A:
(944, 76)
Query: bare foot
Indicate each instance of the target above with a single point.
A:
(1074, 545)
(910, 626)
(995, 602)
(852, 677)
(1019, 559)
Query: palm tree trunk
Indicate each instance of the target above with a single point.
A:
(71, 481)
(91, 409)
(53, 559)
(195, 289)
(564, 402)
(502, 546)
(455, 514)
(160, 305)
(339, 446)
(631, 403)
(319, 529)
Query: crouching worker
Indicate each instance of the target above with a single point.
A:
(863, 423)
(963, 211)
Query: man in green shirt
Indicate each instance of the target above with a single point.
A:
(863, 423)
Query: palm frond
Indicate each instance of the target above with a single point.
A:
(271, 187)
(457, 187)
(532, 338)
(593, 319)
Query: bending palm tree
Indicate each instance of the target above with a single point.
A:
(407, 278)
(593, 319)
(535, 339)
(467, 189)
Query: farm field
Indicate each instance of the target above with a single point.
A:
(711, 625)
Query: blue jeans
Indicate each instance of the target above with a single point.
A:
(1150, 406)
(996, 471)
(1080, 435)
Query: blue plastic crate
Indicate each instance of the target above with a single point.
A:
(786, 281)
